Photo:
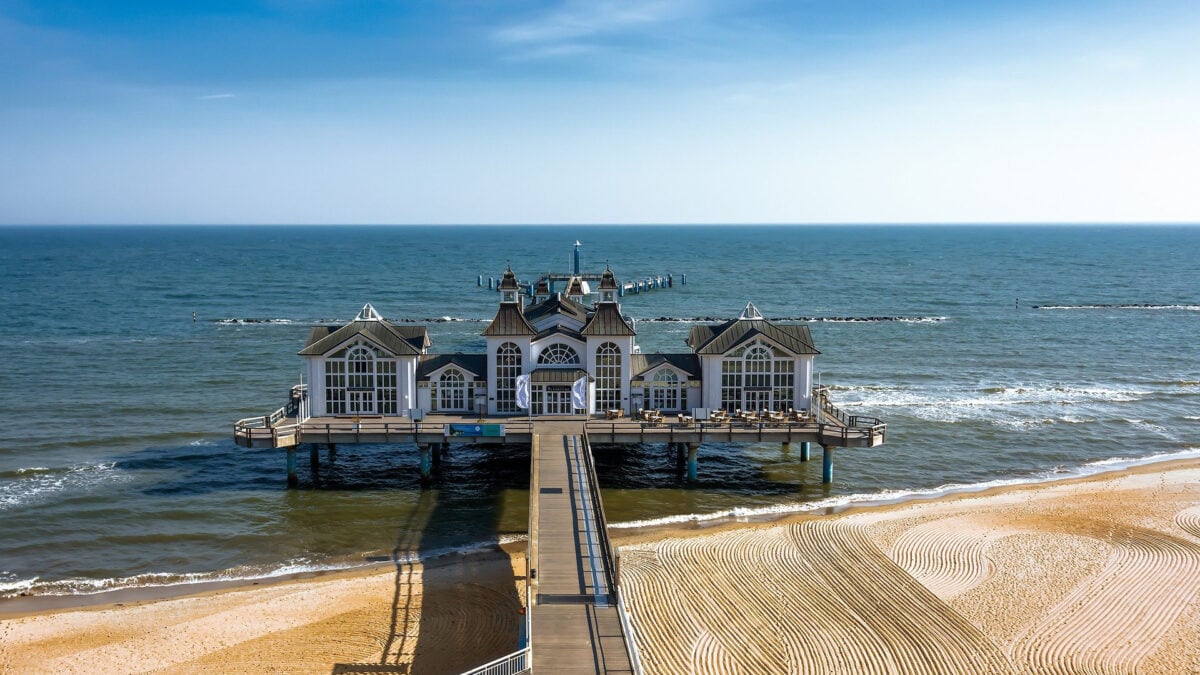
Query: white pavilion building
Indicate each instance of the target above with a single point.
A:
(372, 367)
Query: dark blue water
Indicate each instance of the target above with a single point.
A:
(117, 467)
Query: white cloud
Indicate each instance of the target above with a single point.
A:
(215, 97)
(580, 20)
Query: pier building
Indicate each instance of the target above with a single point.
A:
(542, 353)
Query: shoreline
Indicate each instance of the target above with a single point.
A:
(995, 580)
(39, 604)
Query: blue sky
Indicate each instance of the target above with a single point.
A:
(670, 111)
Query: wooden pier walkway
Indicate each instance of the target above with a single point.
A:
(575, 625)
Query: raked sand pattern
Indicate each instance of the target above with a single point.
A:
(1094, 577)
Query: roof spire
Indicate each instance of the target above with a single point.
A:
(751, 312)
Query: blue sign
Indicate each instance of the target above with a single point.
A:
(488, 430)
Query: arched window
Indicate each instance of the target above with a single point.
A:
(664, 390)
(558, 354)
(758, 377)
(452, 390)
(608, 377)
(508, 367)
(360, 380)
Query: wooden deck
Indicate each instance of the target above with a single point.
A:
(259, 432)
(574, 622)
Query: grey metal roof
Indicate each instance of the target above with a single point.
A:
(722, 338)
(607, 320)
(639, 364)
(509, 321)
(475, 363)
(558, 375)
(559, 330)
(556, 304)
(399, 340)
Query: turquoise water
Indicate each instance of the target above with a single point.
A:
(117, 465)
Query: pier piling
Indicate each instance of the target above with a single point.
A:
(314, 459)
(826, 464)
(804, 451)
(426, 462)
(693, 465)
(292, 480)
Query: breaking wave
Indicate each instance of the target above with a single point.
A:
(897, 496)
(806, 319)
(1187, 308)
(22, 486)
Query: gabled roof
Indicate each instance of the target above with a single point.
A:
(556, 304)
(722, 338)
(399, 340)
(509, 321)
(558, 330)
(640, 364)
(476, 364)
(607, 320)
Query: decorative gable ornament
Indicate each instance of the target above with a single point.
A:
(368, 313)
(751, 312)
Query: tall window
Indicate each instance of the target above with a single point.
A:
(758, 376)
(452, 390)
(558, 354)
(335, 387)
(664, 390)
(385, 386)
(731, 384)
(360, 379)
(508, 366)
(608, 376)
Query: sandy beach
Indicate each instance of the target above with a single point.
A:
(1090, 575)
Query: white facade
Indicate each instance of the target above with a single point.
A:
(372, 367)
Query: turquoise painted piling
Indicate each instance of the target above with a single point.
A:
(826, 464)
(693, 465)
(804, 451)
(293, 481)
(426, 462)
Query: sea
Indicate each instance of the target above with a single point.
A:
(997, 355)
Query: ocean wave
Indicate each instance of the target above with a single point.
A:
(1188, 308)
(806, 319)
(24, 486)
(243, 322)
(897, 496)
(990, 403)
(11, 586)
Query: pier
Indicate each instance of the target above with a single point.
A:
(578, 623)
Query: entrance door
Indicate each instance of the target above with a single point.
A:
(758, 400)
(361, 401)
(558, 402)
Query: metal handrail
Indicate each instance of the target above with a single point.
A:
(607, 550)
(602, 524)
(509, 664)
